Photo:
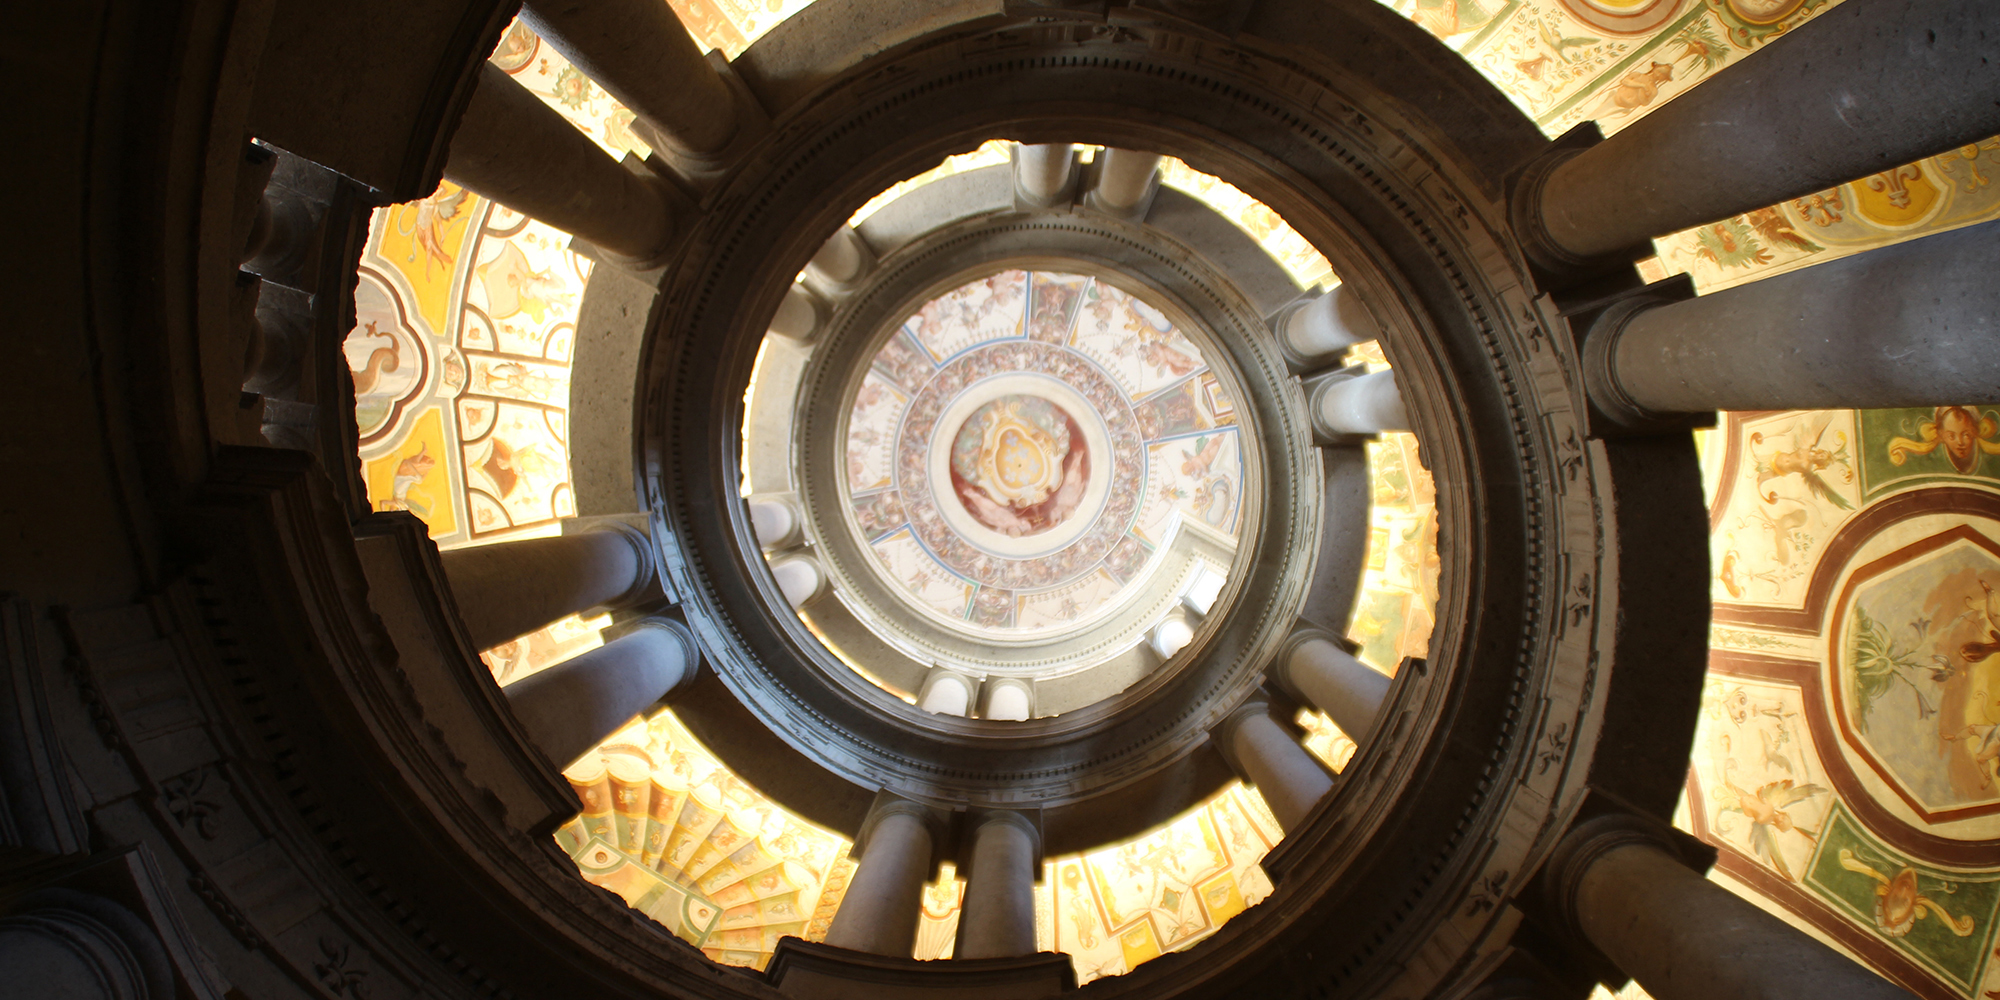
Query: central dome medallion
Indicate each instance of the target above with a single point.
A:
(1027, 451)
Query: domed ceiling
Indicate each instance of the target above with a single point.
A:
(461, 361)
(1027, 449)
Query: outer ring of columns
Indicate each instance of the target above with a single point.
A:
(1384, 869)
(1274, 556)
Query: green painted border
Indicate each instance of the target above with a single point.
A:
(1841, 829)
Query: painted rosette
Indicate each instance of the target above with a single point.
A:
(1027, 446)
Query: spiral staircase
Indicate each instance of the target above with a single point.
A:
(253, 750)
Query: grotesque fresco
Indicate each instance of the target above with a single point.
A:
(1845, 762)
(1848, 758)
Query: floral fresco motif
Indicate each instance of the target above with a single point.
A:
(686, 842)
(1916, 671)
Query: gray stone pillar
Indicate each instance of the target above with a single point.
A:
(1124, 178)
(1621, 887)
(571, 707)
(60, 944)
(1267, 756)
(1043, 174)
(1326, 325)
(884, 898)
(509, 589)
(514, 149)
(1912, 324)
(997, 919)
(1859, 89)
(1349, 691)
(639, 52)
(1346, 404)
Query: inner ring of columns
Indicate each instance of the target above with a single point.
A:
(1444, 335)
(1066, 605)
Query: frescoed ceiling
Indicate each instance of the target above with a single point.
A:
(1026, 448)
(1846, 762)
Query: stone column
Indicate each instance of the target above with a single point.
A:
(1912, 324)
(61, 944)
(571, 707)
(884, 898)
(1349, 691)
(842, 260)
(1323, 326)
(998, 917)
(509, 589)
(1858, 89)
(640, 54)
(1042, 173)
(1123, 178)
(514, 149)
(797, 317)
(947, 693)
(799, 578)
(776, 522)
(1267, 756)
(1620, 886)
(1364, 404)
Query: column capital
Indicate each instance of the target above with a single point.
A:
(889, 804)
(641, 541)
(979, 818)
(1586, 842)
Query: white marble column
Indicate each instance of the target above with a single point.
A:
(508, 589)
(798, 316)
(1361, 404)
(998, 916)
(1042, 173)
(1267, 756)
(842, 260)
(1323, 326)
(571, 707)
(947, 693)
(61, 944)
(1349, 691)
(776, 522)
(884, 898)
(1123, 178)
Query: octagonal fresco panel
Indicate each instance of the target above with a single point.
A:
(1914, 672)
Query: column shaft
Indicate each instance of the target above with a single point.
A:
(1346, 689)
(1912, 324)
(639, 52)
(998, 917)
(1364, 404)
(1686, 938)
(1042, 172)
(1288, 777)
(514, 149)
(1858, 89)
(512, 588)
(879, 913)
(1123, 177)
(571, 707)
(1332, 322)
